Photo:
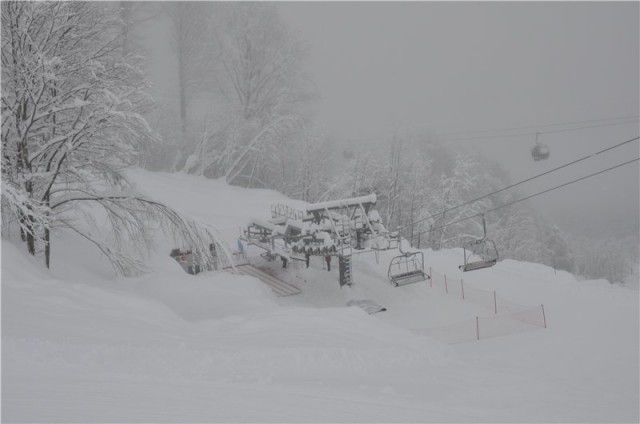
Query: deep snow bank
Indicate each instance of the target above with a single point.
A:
(80, 345)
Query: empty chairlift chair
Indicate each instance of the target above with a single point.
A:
(407, 268)
(480, 253)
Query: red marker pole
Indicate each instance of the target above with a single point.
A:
(544, 318)
(462, 285)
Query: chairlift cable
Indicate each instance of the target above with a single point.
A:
(528, 197)
(560, 124)
(588, 126)
(466, 135)
(524, 181)
(522, 131)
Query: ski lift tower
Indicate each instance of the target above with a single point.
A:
(348, 223)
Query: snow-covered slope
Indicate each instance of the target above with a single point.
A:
(79, 345)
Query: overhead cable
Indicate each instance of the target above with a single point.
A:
(528, 130)
(529, 197)
(526, 180)
(525, 130)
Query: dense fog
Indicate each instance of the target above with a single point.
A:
(429, 105)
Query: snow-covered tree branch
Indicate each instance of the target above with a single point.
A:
(71, 122)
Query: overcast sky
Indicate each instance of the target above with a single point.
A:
(445, 67)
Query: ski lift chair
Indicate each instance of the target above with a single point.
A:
(408, 268)
(480, 253)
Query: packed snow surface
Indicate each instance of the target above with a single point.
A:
(81, 345)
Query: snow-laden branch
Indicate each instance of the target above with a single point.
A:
(274, 127)
(130, 218)
(18, 206)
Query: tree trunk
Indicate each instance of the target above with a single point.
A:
(126, 10)
(47, 236)
(253, 171)
(47, 247)
(182, 84)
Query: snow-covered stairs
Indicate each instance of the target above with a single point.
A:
(278, 286)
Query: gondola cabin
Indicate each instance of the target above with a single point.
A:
(540, 152)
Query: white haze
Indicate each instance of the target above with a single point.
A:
(442, 68)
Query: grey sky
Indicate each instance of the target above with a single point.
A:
(444, 67)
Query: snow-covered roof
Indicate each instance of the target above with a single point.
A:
(298, 225)
(373, 215)
(267, 225)
(334, 204)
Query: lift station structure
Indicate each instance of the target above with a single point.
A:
(339, 228)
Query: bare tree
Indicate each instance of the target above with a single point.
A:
(261, 59)
(189, 41)
(260, 80)
(312, 166)
(133, 14)
(304, 163)
(394, 173)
